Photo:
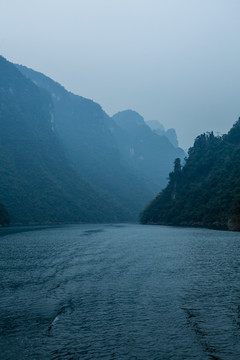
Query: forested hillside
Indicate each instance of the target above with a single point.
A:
(205, 191)
(37, 183)
(129, 165)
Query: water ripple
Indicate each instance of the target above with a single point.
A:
(119, 292)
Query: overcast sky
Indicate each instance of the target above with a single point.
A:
(176, 61)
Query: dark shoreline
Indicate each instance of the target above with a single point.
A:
(14, 229)
(210, 226)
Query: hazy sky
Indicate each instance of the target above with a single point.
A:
(177, 61)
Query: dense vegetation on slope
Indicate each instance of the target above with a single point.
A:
(206, 190)
(101, 149)
(37, 184)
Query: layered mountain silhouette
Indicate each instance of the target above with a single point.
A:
(37, 182)
(145, 151)
(158, 128)
(100, 148)
(63, 159)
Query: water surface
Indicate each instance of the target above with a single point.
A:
(119, 292)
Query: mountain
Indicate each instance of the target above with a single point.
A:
(158, 128)
(127, 165)
(149, 154)
(37, 182)
(205, 191)
(99, 147)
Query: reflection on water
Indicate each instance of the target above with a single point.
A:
(119, 292)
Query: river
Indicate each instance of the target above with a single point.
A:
(119, 292)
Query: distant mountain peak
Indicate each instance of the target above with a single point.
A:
(129, 116)
(159, 129)
(155, 125)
